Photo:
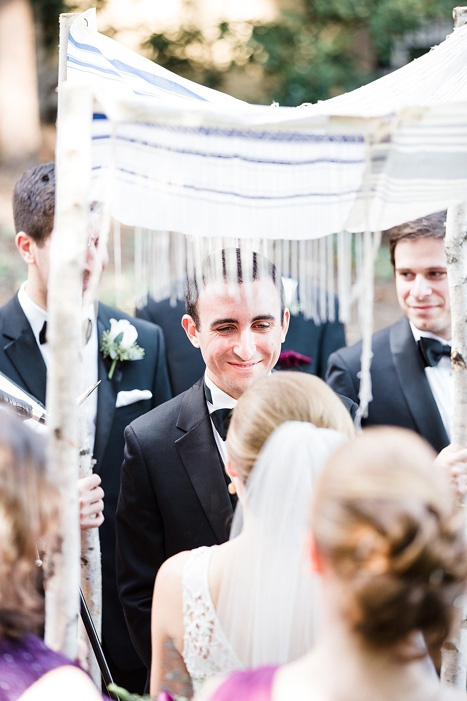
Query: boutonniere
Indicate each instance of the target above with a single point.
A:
(119, 343)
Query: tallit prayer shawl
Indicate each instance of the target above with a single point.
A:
(193, 160)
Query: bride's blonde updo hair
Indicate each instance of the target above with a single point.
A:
(29, 508)
(273, 400)
(385, 520)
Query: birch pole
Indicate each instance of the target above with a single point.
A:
(454, 653)
(90, 572)
(67, 256)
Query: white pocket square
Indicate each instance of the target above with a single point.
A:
(131, 396)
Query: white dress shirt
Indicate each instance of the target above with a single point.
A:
(440, 380)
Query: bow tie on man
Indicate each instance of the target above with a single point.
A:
(432, 351)
(86, 331)
(220, 417)
(221, 420)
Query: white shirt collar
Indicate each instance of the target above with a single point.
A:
(220, 400)
(34, 314)
(417, 334)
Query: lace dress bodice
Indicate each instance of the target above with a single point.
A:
(206, 650)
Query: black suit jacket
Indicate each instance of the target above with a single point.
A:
(21, 361)
(317, 341)
(401, 392)
(173, 497)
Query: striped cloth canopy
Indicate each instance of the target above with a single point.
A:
(176, 156)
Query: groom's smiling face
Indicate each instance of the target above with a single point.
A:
(239, 333)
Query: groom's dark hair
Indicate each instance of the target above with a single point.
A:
(230, 265)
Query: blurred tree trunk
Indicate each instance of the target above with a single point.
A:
(20, 134)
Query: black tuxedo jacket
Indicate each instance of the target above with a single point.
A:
(173, 497)
(401, 392)
(21, 361)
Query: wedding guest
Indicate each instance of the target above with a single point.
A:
(124, 393)
(29, 515)
(411, 357)
(389, 544)
(202, 599)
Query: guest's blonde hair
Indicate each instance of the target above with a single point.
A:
(29, 508)
(385, 519)
(272, 400)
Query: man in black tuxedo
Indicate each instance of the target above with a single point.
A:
(174, 492)
(136, 386)
(307, 346)
(411, 383)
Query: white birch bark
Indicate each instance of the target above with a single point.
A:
(91, 574)
(454, 654)
(67, 255)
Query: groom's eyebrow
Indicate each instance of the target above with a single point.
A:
(216, 322)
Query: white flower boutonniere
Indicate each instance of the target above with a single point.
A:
(119, 343)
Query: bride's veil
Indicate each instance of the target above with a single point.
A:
(269, 600)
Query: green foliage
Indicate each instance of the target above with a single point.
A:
(46, 14)
(189, 52)
(329, 47)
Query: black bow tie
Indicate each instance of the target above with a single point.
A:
(221, 420)
(220, 417)
(87, 330)
(43, 333)
(432, 351)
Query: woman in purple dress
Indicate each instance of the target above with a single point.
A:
(389, 543)
(29, 510)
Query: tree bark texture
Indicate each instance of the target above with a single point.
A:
(67, 256)
(454, 665)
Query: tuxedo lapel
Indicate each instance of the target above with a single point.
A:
(22, 351)
(106, 394)
(199, 454)
(415, 386)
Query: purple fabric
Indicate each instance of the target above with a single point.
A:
(248, 685)
(22, 662)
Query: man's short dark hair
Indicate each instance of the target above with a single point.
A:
(220, 265)
(34, 202)
(430, 227)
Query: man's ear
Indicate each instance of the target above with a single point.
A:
(25, 245)
(314, 556)
(230, 469)
(190, 329)
(285, 324)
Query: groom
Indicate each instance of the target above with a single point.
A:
(174, 494)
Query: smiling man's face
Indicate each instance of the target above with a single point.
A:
(422, 284)
(239, 335)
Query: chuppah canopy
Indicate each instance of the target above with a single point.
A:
(185, 158)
